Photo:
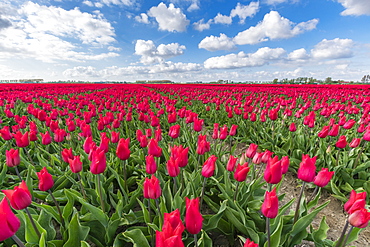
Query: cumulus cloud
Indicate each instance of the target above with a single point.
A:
(299, 54)
(244, 11)
(355, 7)
(169, 18)
(213, 43)
(142, 18)
(151, 54)
(333, 49)
(201, 25)
(175, 67)
(222, 19)
(41, 32)
(261, 57)
(273, 26)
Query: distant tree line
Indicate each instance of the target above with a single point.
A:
(365, 79)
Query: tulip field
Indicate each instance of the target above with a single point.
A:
(183, 164)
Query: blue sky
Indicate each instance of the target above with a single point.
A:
(184, 40)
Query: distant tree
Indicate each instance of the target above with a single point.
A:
(275, 81)
(328, 80)
(365, 79)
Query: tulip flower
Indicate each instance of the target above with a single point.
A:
(203, 145)
(241, 172)
(273, 172)
(99, 161)
(361, 128)
(9, 223)
(104, 142)
(231, 163)
(88, 144)
(75, 164)
(270, 205)
(324, 132)
(354, 196)
(209, 167)
(250, 243)
(266, 156)
(193, 217)
(12, 157)
(174, 131)
(215, 131)
(171, 231)
(181, 154)
(151, 166)
(19, 197)
(359, 218)
(114, 137)
(123, 149)
(67, 154)
(21, 140)
(198, 124)
(59, 135)
(366, 136)
(152, 188)
(307, 169)
(284, 164)
(173, 167)
(251, 151)
(292, 127)
(223, 132)
(46, 181)
(342, 142)
(323, 177)
(233, 129)
(334, 130)
(143, 141)
(355, 142)
(5, 133)
(154, 149)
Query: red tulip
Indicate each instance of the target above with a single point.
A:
(152, 188)
(174, 131)
(360, 218)
(209, 166)
(203, 145)
(114, 137)
(21, 140)
(334, 130)
(324, 132)
(172, 229)
(273, 172)
(98, 162)
(361, 128)
(180, 154)
(9, 223)
(355, 142)
(233, 129)
(251, 151)
(12, 157)
(215, 131)
(173, 167)
(307, 168)
(367, 136)
(19, 197)
(59, 135)
(46, 181)
(342, 142)
(223, 132)
(67, 154)
(349, 124)
(266, 156)
(75, 164)
(250, 243)
(88, 144)
(292, 127)
(151, 166)
(123, 149)
(352, 200)
(270, 205)
(284, 164)
(198, 124)
(193, 217)
(104, 142)
(154, 149)
(323, 177)
(241, 172)
(5, 133)
(231, 163)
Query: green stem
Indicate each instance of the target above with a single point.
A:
(268, 232)
(202, 195)
(58, 208)
(195, 240)
(340, 240)
(298, 203)
(125, 175)
(100, 193)
(33, 223)
(349, 232)
(18, 241)
(359, 154)
(17, 171)
(81, 186)
(236, 191)
(159, 213)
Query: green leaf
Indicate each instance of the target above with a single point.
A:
(275, 236)
(137, 237)
(212, 223)
(76, 232)
(31, 235)
(42, 241)
(204, 240)
(84, 244)
(321, 233)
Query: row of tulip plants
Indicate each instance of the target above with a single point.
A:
(180, 165)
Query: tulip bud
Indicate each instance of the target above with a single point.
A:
(360, 218)
(355, 142)
(307, 168)
(9, 223)
(98, 162)
(209, 166)
(342, 142)
(20, 197)
(12, 157)
(174, 131)
(231, 163)
(75, 164)
(323, 177)
(352, 199)
(151, 166)
(45, 138)
(123, 150)
(154, 149)
(152, 188)
(241, 172)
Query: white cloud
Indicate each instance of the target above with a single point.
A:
(200, 25)
(261, 57)
(299, 54)
(194, 5)
(41, 33)
(244, 11)
(117, 2)
(213, 43)
(333, 49)
(222, 19)
(151, 54)
(273, 26)
(142, 18)
(355, 7)
(169, 19)
(88, 3)
(175, 67)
